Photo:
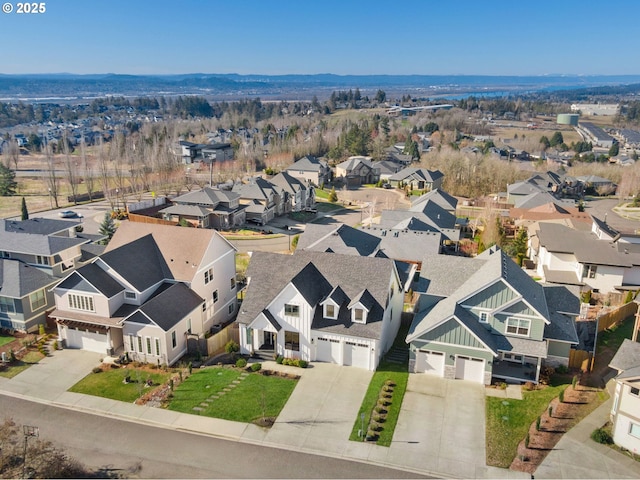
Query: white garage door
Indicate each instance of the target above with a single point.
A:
(356, 354)
(429, 362)
(93, 342)
(468, 368)
(328, 350)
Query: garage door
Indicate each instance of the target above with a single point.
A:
(93, 342)
(356, 354)
(468, 368)
(431, 363)
(328, 350)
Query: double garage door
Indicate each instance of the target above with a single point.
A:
(91, 341)
(342, 352)
(466, 368)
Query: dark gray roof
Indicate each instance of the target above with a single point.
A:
(564, 306)
(139, 262)
(38, 226)
(170, 305)
(439, 197)
(605, 227)
(89, 251)
(270, 273)
(209, 197)
(523, 346)
(442, 275)
(288, 183)
(36, 244)
(365, 299)
(257, 189)
(308, 163)
(340, 239)
(343, 325)
(18, 279)
(337, 295)
(411, 173)
(90, 277)
(627, 356)
(311, 284)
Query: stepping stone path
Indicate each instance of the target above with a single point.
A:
(198, 409)
(228, 388)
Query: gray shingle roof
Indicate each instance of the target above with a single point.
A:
(288, 183)
(411, 173)
(38, 226)
(339, 238)
(18, 279)
(523, 346)
(564, 306)
(439, 197)
(208, 196)
(308, 164)
(36, 244)
(170, 305)
(627, 356)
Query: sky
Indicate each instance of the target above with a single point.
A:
(347, 37)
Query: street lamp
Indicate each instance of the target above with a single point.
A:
(50, 200)
(117, 201)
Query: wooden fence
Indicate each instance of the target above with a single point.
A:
(134, 217)
(616, 316)
(216, 343)
(580, 359)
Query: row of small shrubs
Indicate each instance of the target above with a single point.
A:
(379, 414)
(294, 362)
(242, 363)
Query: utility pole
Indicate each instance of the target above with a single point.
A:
(28, 431)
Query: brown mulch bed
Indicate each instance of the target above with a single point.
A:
(577, 404)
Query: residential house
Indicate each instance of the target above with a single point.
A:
(202, 152)
(418, 178)
(625, 412)
(356, 171)
(396, 154)
(296, 195)
(155, 287)
(596, 185)
(322, 307)
(590, 258)
(261, 198)
(387, 168)
(484, 317)
(310, 169)
(207, 208)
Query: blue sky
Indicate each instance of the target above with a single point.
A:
(482, 37)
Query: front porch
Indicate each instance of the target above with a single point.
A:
(519, 369)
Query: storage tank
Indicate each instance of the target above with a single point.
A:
(568, 119)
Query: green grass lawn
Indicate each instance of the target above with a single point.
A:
(109, 384)
(327, 207)
(614, 336)
(15, 368)
(508, 423)
(322, 194)
(5, 339)
(254, 397)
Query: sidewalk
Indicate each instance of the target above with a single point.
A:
(440, 429)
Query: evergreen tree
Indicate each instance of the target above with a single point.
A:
(107, 227)
(333, 196)
(556, 139)
(25, 212)
(8, 184)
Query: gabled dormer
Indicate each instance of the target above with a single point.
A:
(360, 306)
(333, 302)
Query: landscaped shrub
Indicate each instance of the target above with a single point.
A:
(303, 363)
(550, 411)
(527, 439)
(375, 426)
(241, 363)
(114, 366)
(378, 417)
(562, 369)
(538, 420)
(383, 401)
(279, 359)
(96, 370)
(561, 396)
(255, 367)
(380, 409)
(389, 383)
(528, 386)
(600, 435)
(574, 381)
(372, 435)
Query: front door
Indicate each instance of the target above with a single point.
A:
(268, 340)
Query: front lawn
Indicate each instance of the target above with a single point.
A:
(14, 368)
(508, 421)
(6, 339)
(254, 396)
(110, 383)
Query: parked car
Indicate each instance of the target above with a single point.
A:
(386, 185)
(255, 221)
(311, 210)
(69, 214)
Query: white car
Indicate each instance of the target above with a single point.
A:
(69, 214)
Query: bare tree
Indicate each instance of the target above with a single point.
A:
(89, 179)
(50, 177)
(71, 169)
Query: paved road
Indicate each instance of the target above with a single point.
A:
(142, 451)
(603, 209)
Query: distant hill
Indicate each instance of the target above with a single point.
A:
(70, 86)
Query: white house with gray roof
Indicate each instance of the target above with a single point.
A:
(311, 170)
(484, 317)
(322, 307)
(207, 208)
(153, 288)
(625, 411)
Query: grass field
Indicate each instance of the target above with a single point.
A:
(6, 339)
(15, 368)
(253, 397)
(110, 384)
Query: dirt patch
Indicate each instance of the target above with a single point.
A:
(578, 403)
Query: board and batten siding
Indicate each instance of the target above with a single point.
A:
(452, 332)
(521, 308)
(558, 349)
(301, 323)
(491, 297)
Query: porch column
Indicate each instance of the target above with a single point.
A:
(538, 370)
(109, 344)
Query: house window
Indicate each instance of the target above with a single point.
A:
(208, 276)
(634, 430)
(41, 260)
(148, 345)
(635, 391)
(81, 302)
(215, 296)
(38, 300)
(7, 305)
(4, 254)
(132, 343)
(512, 357)
(484, 317)
(589, 271)
(292, 341)
(292, 310)
(358, 315)
(140, 344)
(233, 283)
(130, 295)
(231, 308)
(157, 346)
(189, 325)
(204, 306)
(330, 311)
(518, 326)
(174, 342)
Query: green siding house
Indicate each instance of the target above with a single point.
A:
(485, 318)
